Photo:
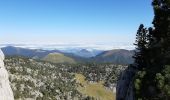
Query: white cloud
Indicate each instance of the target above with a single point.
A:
(62, 46)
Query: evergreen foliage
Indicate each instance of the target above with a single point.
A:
(141, 43)
(152, 81)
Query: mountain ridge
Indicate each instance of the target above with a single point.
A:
(116, 56)
(119, 56)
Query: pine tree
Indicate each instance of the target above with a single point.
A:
(141, 47)
(155, 55)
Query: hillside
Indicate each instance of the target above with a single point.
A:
(35, 80)
(38, 80)
(58, 58)
(118, 56)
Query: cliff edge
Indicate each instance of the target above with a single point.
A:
(5, 89)
(125, 87)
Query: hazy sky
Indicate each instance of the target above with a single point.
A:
(72, 21)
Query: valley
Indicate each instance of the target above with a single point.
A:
(40, 80)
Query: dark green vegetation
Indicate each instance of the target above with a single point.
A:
(152, 58)
(39, 80)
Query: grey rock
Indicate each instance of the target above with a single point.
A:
(5, 89)
(125, 86)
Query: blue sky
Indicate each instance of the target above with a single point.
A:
(72, 21)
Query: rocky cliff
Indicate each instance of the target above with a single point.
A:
(125, 87)
(5, 89)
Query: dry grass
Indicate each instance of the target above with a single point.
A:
(96, 90)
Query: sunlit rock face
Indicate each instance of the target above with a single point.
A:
(5, 89)
(125, 87)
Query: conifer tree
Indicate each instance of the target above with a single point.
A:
(141, 47)
(161, 33)
(155, 55)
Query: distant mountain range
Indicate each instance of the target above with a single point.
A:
(117, 56)
(31, 53)
(85, 53)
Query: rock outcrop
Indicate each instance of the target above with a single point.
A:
(5, 89)
(125, 87)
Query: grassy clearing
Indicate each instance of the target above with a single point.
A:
(96, 90)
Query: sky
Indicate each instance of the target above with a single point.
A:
(72, 21)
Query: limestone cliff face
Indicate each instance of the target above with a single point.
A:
(5, 89)
(125, 87)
